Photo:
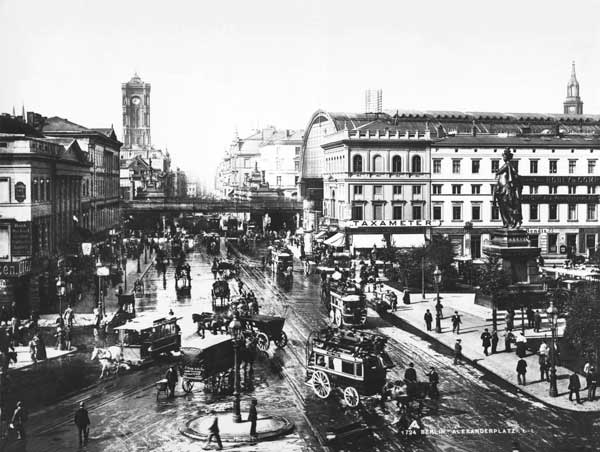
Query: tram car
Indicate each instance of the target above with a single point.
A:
(281, 260)
(143, 339)
(354, 363)
(347, 306)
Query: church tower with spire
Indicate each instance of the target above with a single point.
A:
(573, 104)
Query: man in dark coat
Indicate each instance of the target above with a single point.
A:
(486, 341)
(494, 341)
(428, 319)
(18, 420)
(543, 362)
(457, 352)
(434, 380)
(521, 371)
(537, 321)
(410, 374)
(530, 317)
(172, 378)
(214, 432)
(252, 418)
(82, 421)
(456, 321)
(574, 387)
(406, 297)
(592, 382)
(509, 337)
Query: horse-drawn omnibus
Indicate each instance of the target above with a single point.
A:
(355, 363)
(142, 339)
(281, 260)
(347, 306)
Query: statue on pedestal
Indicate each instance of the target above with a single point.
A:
(507, 193)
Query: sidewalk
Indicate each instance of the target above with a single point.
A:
(474, 319)
(24, 360)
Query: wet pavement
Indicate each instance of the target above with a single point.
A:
(475, 411)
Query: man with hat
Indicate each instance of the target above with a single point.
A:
(252, 418)
(457, 352)
(82, 421)
(18, 419)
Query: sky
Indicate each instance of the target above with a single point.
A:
(218, 67)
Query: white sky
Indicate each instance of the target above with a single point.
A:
(218, 65)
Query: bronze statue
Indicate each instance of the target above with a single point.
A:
(507, 193)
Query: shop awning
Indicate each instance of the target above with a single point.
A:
(408, 240)
(337, 240)
(368, 240)
(320, 235)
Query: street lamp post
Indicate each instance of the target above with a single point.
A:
(553, 315)
(235, 329)
(437, 277)
(139, 252)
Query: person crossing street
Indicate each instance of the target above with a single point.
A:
(428, 319)
(486, 341)
(456, 321)
(82, 421)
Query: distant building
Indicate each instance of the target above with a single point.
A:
(373, 101)
(192, 189)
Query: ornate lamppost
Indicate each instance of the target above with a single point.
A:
(437, 277)
(235, 329)
(553, 316)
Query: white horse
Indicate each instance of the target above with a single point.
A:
(110, 358)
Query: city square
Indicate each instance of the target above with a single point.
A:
(216, 236)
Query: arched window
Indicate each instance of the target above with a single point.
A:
(416, 164)
(378, 164)
(357, 165)
(396, 164)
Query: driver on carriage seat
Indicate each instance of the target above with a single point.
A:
(410, 374)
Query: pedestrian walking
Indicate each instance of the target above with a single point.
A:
(510, 320)
(494, 341)
(521, 345)
(428, 319)
(69, 316)
(457, 352)
(171, 377)
(17, 422)
(586, 370)
(252, 418)
(33, 350)
(544, 350)
(537, 321)
(214, 432)
(406, 296)
(521, 371)
(60, 338)
(530, 317)
(82, 421)
(434, 380)
(574, 387)
(486, 341)
(592, 383)
(543, 363)
(393, 300)
(456, 321)
(410, 374)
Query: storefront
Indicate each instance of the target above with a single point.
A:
(15, 282)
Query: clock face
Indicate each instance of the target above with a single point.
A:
(572, 109)
(135, 100)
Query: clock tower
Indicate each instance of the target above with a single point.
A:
(573, 104)
(136, 114)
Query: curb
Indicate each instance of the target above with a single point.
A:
(285, 428)
(70, 352)
(390, 318)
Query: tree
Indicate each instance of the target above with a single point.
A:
(583, 322)
(494, 281)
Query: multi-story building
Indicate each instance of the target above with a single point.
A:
(192, 189)
(278, 161)
(101, 187)
(41, 191)
(460, 153)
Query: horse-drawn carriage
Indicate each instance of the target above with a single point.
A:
(228, 268)
(212, 361)
(355, 363)
(220, 294)
(282, 261)
(265, 328)
(214, 322)
(212, 241)
(347, 305)
(183, 280)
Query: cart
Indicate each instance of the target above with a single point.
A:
(212, 360)
(220, 293)
(266, 328)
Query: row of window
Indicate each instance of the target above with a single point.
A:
(378, 190)
(379, 167)
(495, 165)
(457, 212)
(358, 212)
(436, 189)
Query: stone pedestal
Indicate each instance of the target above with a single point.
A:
(516, 256)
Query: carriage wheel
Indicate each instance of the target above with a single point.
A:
(320, 384)
(351, 396)
(262, 342)
(282, 341)
(338, 318)
(332, 316)
(187, 385)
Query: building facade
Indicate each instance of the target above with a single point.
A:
(41, 191)
(100, 209)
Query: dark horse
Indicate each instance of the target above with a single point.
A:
(507, 193)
